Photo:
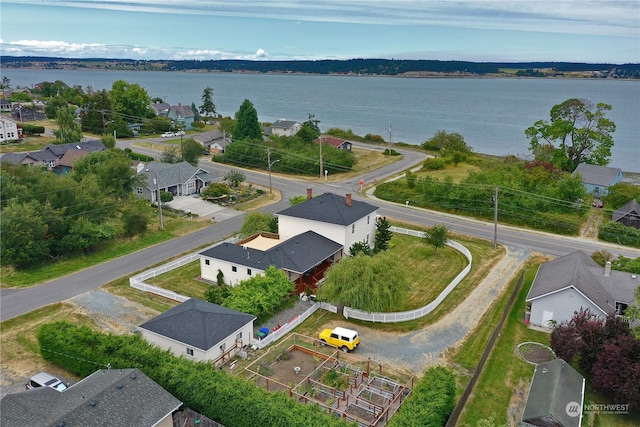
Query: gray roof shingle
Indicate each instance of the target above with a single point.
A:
(555, 385)
(114, 398)
(579, 271)
(298, 254)
(597, 175)
(330, 208)
(631, 208)
(198, 323)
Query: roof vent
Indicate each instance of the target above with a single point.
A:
(133, 376)
(60, 424)
(93, 403)
(119, 386)
(633, 276)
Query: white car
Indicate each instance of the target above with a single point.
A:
(167, 135)
(44, 379)
(180, 132)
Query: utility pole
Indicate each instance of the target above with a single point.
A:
(495, 218)
(270, 163)
(321, 168)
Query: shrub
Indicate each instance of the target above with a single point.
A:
(620, 234)
(165, 196)
(431, 402)
(434, 163)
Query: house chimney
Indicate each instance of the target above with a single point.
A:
(607, 269)
(309, 193)
(347, 200)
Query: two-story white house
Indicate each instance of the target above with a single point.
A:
(339, 218)
(285, 127)
(8, 129)
(313, 235)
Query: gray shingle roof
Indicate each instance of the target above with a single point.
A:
(114, 398)
(284, 124)
(631, 208)
(597, 175)
(579, 271)
(91, 146)
(330, 208)
(555, 385)
(170, 174)
(199, 324)
(297, 254)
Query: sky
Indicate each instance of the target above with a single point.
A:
(593, 31)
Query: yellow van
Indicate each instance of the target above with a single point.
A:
(343, 338)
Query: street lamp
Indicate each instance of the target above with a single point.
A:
(326, 172)
(270, 163)
(157, 184)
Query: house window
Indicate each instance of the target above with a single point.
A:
(248, 271)
(139, 190)
(189, 352)
(206, 262)
(353, 228)
(239, 336)
(191, 184)
(234, 268)
(368, 219)
(367, 238)
(223, 347)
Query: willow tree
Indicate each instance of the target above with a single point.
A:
(373, 284)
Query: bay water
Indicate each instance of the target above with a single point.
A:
(490, 113)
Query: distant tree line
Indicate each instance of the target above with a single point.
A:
(351, 66)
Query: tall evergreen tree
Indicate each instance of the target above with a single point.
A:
(247, 125)
(383, 234)
(208, 108)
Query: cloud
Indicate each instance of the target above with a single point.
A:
(261, 54)
(611, 17)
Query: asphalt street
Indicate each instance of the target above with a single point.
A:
(14, 302)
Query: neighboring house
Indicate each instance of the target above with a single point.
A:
(304, 255)
(5, 105)
(21, 113)
(90, 146)
(179, 179)
(339, 143)
(65, 164)
(628, 215)
(9, 130)
(182, 116)
(161, 108)
(200, 330)
(575, 281)
(338, 218)
(215, 141)
(598, 179)
(109, 397)
(555, 397)
(283, 128)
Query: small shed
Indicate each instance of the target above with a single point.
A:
(628, 215)
(597, 179)
(556, 396)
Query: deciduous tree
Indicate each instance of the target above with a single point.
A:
(257, 221)
(68, 130)
(234, 178)
(437, 236)
(579, 133)
(192, 151)
(130, 99)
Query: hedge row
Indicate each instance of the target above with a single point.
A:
(227, 399)
(29, 129)
(430, 403)
(619, 233)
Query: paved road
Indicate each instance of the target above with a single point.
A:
(14, 302)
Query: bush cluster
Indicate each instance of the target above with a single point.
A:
(619, 233)
(227, 399)
(430, 403)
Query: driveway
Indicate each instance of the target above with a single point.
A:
(202, 208)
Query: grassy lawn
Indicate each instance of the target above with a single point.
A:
(31, 143)
(174, 227)
(20, 351)
(457, 173)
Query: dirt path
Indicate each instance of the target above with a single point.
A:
(590, 228)
(418, 350)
